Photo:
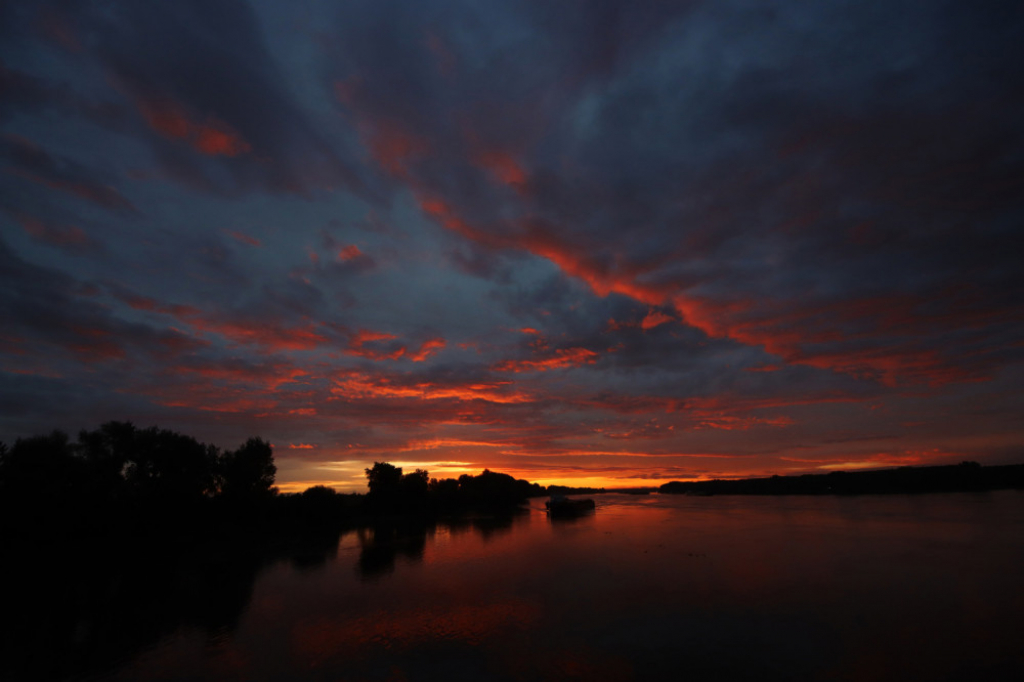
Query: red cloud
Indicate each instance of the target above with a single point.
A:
(271, 335)
(392, 147)
(244, 238)
(106, 196)
(216, 139)
(212, 137)
(67, 237)
(266, 376)
(503, 167)
(349, 252)
(95, 344)
(653, 319)
(888, 343)
(266, 334)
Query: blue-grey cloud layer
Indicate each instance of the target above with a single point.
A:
(618, 238)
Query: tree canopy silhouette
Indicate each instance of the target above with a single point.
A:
(248, 472)
(122, 471)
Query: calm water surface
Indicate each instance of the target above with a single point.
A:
(859, 588)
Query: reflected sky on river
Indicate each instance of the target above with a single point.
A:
(725, 587)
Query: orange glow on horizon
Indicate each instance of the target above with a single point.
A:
(662, 470)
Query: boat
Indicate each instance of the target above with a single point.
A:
(560, 505)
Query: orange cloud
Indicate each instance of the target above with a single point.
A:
(356, 385)
(427, 349)
(357, 346)
(563, 357)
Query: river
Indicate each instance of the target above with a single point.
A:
(647, 587)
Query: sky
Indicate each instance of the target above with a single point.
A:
(594, 243)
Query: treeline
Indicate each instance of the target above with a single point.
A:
(122, 479)
(963, 477)
(395, 491)
(128, 476)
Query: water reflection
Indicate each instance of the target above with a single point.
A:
(388, 539)
(83, 609)
(646, 587)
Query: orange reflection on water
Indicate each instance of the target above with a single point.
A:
(467, 623)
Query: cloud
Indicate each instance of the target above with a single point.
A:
(243, 238)
(559, 358)
(211, 137)
(69, 238)
(750, 255)
(221, 117)
(54, 313)
(27, 160)
(628, 241)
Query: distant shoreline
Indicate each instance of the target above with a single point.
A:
(963, 477)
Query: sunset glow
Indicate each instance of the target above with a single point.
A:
(673, 241)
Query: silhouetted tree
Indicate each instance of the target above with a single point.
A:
(413, 487)
(248, 472)
(106, 452)
(319, 507)
(383, 479)
(391, 490)
(493, 490)
(39, 466)
(169, 466)
(444, 493)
